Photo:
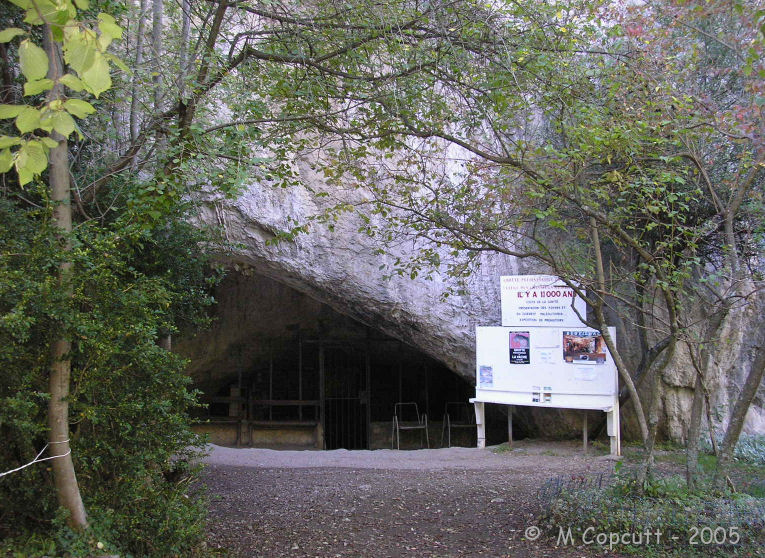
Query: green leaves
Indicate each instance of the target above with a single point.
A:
(6, 141)
(28, 120)
(33, 60)
(109, 29)
(79, 108)
(77, 52)
(32, 155)
(86, 53)
(96, 78)
(10, 111)
(38, 86)
(72, 82)
(6, 160)
(41, 12)
(63, 123)
(30, 160)
(7, 35)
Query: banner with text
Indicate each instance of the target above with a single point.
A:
(539, 300)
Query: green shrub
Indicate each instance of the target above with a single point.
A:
(130, 399)
(750, 448)
(670, 518)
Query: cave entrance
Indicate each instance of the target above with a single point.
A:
(281, 370)
(332, 394)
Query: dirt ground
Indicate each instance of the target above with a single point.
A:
(384, 503)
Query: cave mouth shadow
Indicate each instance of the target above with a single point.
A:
(281, 369)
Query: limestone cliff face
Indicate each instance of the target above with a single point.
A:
(341, 269)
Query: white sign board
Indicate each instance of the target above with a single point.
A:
(539, 300)
(568, 367)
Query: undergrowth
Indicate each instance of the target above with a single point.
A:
(661, 518)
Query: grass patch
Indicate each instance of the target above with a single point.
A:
(504, 447)
(748, 477)
(750, 448)
(665, 519)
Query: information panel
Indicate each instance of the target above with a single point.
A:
(545, 366)
(539, 300)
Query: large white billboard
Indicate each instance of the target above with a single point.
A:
(567, 367)
(539, 300)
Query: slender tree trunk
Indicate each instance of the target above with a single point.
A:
(166, 341)
(644, 472)
(156, 46)
(183, 70)
(6, 78)
(740, 408)
(188, 110)
(694, 431)
(601, 319)
(754, 378)
(650, 429)
(135, 93)
(701, 366)
(67, 489)
(653, 414)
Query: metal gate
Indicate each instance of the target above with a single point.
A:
(345, 398)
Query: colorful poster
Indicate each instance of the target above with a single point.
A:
(519, 347)
(486, 376)
(581, 347)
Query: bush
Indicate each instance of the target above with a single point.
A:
(750, 448)
(130, 399)
(688, 523)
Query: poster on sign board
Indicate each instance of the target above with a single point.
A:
(519, 347)
(486, 377)
(584, 347)
(540, 301)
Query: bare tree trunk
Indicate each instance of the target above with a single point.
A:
(701, 366)
(166, 341)
(603, 326)
(739, 280)
(740, 408)
(67, 488)
(754, 378)
(183, 70)
(644, 471)
(6, 78)
(650, 429)
(134, 125)
(156, 46)
(694, 431)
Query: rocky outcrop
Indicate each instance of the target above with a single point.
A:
(341, 267)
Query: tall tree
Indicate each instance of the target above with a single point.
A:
(85, 51)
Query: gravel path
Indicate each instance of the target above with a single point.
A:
(384, 503)
(426, 460)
